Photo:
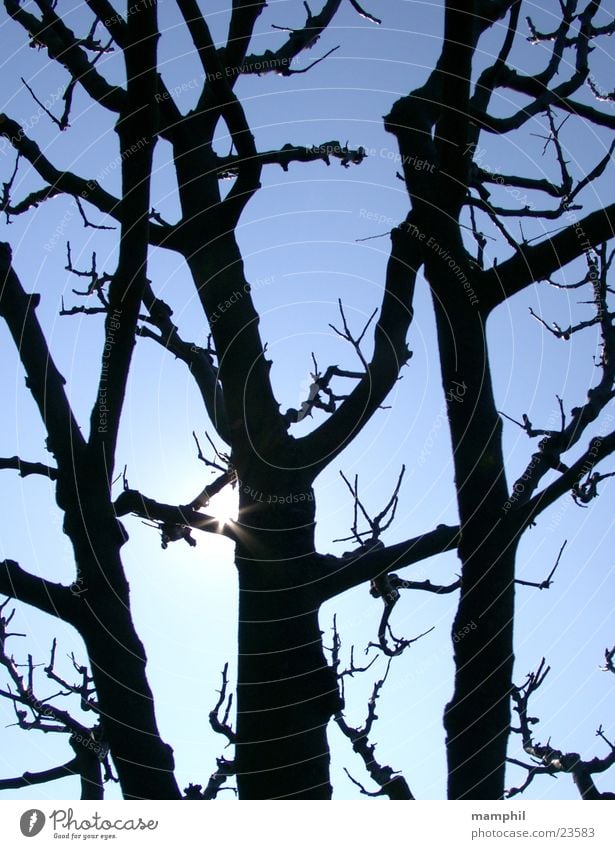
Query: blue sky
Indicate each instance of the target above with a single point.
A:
(299, 238)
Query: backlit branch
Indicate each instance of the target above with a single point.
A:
(396, 583)
(489, 78)
(390, 354)
(32, 200)
(222, 464)
(225, 768)
(241, 27)
(174, 521)
(347, 334)
(566, 190)
(84, 688)
(63, 122)
(609, 666)
(55, 599)
(569, 481)
(537, 86)
(221, 725)
(24, 468)
(358, 8)
(586, 490)
(343, 573)
(228, 166)
(231, 110)
(388, 590)
(97, 281)
(546, 584)
(113, 22)
(320, 386)
(380, 523)
(45, 715)
(65, 182)
(68, 50)
(45, 382)
(29, 779)
(547, 760)
(556, 443)
(197, 358)
(599, 93)
(391, 783)
(539, 262)
(136, 130)
(280, 60)
(91, 752)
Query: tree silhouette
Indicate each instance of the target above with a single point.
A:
(287, 693)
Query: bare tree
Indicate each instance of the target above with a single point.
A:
(286, 691)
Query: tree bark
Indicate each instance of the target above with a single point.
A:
(477, 719)
(144, 763)
(286, 692)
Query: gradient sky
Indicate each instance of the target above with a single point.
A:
(299, 239)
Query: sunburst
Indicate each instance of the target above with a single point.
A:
(225, 505)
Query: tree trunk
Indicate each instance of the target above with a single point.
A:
(477, 719)
(144, 763)
(286, 692)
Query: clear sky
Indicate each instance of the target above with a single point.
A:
(299, 238)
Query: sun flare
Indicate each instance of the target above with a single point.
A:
(225, 505)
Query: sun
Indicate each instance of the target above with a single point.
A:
(225, 505)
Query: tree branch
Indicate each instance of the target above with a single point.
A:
(28, 779)
(221, 726)
(24, 468)
(229, 166)
(55, 599)
(241, 27)
(71, 184)
(197, 359)
(131, 501)
(390, 354)
(599, 448)
(609, 666)
(63, 46)
(113, 22)
(550, 760)
(546, 584)
(225, 769)
(536, 86)
(453, 123)
(538, 262)
(136, 130)
(43, 379)
(344, 573)
(391, 783)
(280, 60)
(230, 108)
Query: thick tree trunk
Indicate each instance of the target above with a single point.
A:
(286, 692)
(144, 763)
(477, 719)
